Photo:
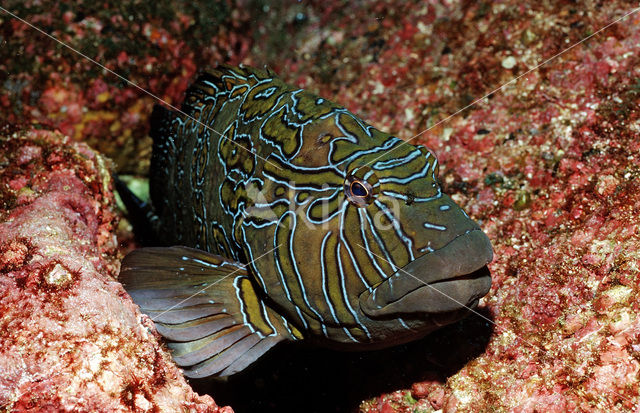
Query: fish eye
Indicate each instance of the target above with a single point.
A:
(357, 189)
(361, 186)
(358, 192)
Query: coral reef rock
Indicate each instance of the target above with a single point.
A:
(70, 337)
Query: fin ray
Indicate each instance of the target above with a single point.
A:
(140, 214)
(196, 351)
(251, 355)
(195, 329)
(184, 314)
(223, 359)
(205, 306)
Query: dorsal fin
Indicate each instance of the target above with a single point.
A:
(160, 122)
(224, 78)
(206, 306)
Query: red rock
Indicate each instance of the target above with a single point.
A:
(436, 397)
(565, 275)
(425, 387)
(70, 337)
(387, 407)
(566, 136)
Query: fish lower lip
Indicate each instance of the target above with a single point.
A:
(447, 279)
(448, 295)
(484, 271)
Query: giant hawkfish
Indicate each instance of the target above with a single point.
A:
(276, 215)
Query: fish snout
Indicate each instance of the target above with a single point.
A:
(448, 279)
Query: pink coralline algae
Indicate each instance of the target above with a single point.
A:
(145, 41)
(549, 166)
(70, 337)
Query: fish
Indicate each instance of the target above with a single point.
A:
(278, 216)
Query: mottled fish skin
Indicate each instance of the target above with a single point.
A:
(211, 194)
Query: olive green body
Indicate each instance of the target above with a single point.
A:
(263, 173)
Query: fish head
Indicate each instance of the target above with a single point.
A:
(367, 247)
(438, 255)
(430, 256)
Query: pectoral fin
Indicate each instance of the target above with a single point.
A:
(206, 306)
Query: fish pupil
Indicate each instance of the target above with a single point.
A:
(358, 189)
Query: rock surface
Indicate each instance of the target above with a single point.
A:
(70, 337)
(549, 165)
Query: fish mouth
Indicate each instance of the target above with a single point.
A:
(445, 280)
